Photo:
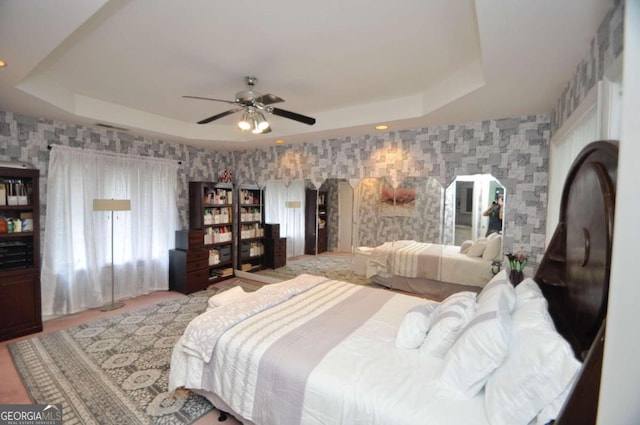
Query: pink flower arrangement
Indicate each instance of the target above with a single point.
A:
(517, 261)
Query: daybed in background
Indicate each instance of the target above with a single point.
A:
(316, 351)
(430, 269)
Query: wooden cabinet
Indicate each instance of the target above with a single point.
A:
(250, 213)
(188, 270)
(315, 222)
(20, 309)
(275, 253)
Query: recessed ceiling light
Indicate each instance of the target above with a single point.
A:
(279, 142)
(382, 127)
(3, 64)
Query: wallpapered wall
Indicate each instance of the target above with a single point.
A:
(514, 150)
(605, 47)
(24, 138)
(424, 225)
(374, 227)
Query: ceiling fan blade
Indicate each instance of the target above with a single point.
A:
(268, 99)
(291, 115)
(220, 115)
(209, 98)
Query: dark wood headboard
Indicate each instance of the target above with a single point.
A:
(574, 272)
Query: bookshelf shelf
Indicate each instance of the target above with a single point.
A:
(20, 311)
(250, 219)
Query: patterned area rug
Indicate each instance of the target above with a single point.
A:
(115, 370)
(337, 267)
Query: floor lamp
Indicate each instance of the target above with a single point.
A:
(112, 205)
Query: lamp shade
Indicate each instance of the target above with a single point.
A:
(111, 205)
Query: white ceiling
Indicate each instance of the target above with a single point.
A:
(349, 64)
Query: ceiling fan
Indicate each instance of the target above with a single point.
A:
(254, 104)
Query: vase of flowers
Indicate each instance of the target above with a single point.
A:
(517, 262)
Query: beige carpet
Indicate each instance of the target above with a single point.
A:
(333, 266)
(115, 370)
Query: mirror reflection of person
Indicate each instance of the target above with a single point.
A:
(494, 212)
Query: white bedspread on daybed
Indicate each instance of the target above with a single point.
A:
(317, 339)
(434, 262)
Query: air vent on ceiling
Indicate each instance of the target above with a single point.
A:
(111, 127)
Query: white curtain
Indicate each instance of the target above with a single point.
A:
(76, 266)
(564, 150)
(285, 205)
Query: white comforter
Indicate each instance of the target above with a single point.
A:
(414, 259)
(325, 356)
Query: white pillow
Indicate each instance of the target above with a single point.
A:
(492, 236)
(534, 314)
(226, 297)
(527, 290)
(414, 326)
(539, 367)
(494, 246)
(453, 316)
(464, 248)
(479, 350)
(478, 247)
(499, 284)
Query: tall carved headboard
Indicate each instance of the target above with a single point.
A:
(574, 272)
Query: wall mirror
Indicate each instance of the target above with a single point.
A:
(467, 200)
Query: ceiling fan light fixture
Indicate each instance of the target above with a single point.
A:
(245, 123)
(261, 123)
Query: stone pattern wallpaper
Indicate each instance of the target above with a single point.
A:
(374, 228)
(24, 138)
(514, 150)
(605, 47)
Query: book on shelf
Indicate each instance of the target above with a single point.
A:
(223, 272)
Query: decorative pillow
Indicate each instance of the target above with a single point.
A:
(478, 247)
(464, 248)
(494, 246)
(499, 284)
(479, 350)
(492, 236)
(527, 290)
(539, 367)
(414, 326)
(453, 316)
(226, 297)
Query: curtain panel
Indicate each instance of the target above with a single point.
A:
(76, 263)
(278, 209)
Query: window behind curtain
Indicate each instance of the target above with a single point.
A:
(278, 209)
(76, 266)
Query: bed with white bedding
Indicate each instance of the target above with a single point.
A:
(433, 269)
(321, 335)
(316, 351)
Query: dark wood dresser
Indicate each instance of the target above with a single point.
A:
(188, 263)
(275, 247)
